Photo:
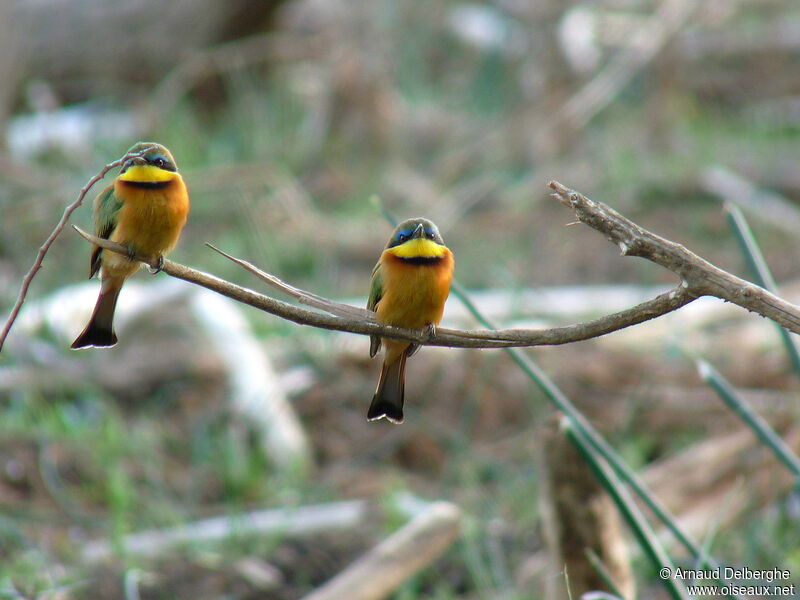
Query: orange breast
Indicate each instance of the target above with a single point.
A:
(414, 295)
(151, 220)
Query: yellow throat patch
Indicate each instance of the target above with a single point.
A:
(146, 173)
(418, 247)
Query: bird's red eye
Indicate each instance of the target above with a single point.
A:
(160, 162)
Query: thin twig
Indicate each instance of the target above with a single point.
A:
(331, 306)
(26, 281)
(503, 338)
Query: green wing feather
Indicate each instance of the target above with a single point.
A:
(106, 211)
(375, 295)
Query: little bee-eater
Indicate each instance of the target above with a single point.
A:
(144, 209)
(409, 287)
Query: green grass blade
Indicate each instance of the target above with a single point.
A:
(751, 418)
(630, 512)
(750, 249)
(761, 273)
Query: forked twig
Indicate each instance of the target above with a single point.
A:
(331, 306)
(698, 276)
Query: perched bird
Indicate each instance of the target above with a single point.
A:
(409, 287)
(145, 209)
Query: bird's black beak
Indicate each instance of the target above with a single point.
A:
(419, 232)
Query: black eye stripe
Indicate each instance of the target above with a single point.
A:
(162, 162)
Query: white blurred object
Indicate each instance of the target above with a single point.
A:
(299, 521)
(76, 127)
(256, 392)
(66, 311)
(484, 27)
(577, 34)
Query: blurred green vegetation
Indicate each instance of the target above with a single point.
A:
(281, 174)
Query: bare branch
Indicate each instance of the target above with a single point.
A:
(37, 264)
(700, 277)
(366, 324)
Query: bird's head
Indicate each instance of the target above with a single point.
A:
(416, 237)
(154, 163)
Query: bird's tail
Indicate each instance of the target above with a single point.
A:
(100, 330)
(388, 399)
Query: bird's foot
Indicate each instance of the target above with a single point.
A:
(430, 331)
(159, 265)
(131, 253)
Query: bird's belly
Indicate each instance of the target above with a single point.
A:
(151, 221)
(414, 295)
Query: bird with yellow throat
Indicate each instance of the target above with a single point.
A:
(145, 209)
(409, 287)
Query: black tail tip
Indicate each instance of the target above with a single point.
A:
(94, 336)
(380, 409)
